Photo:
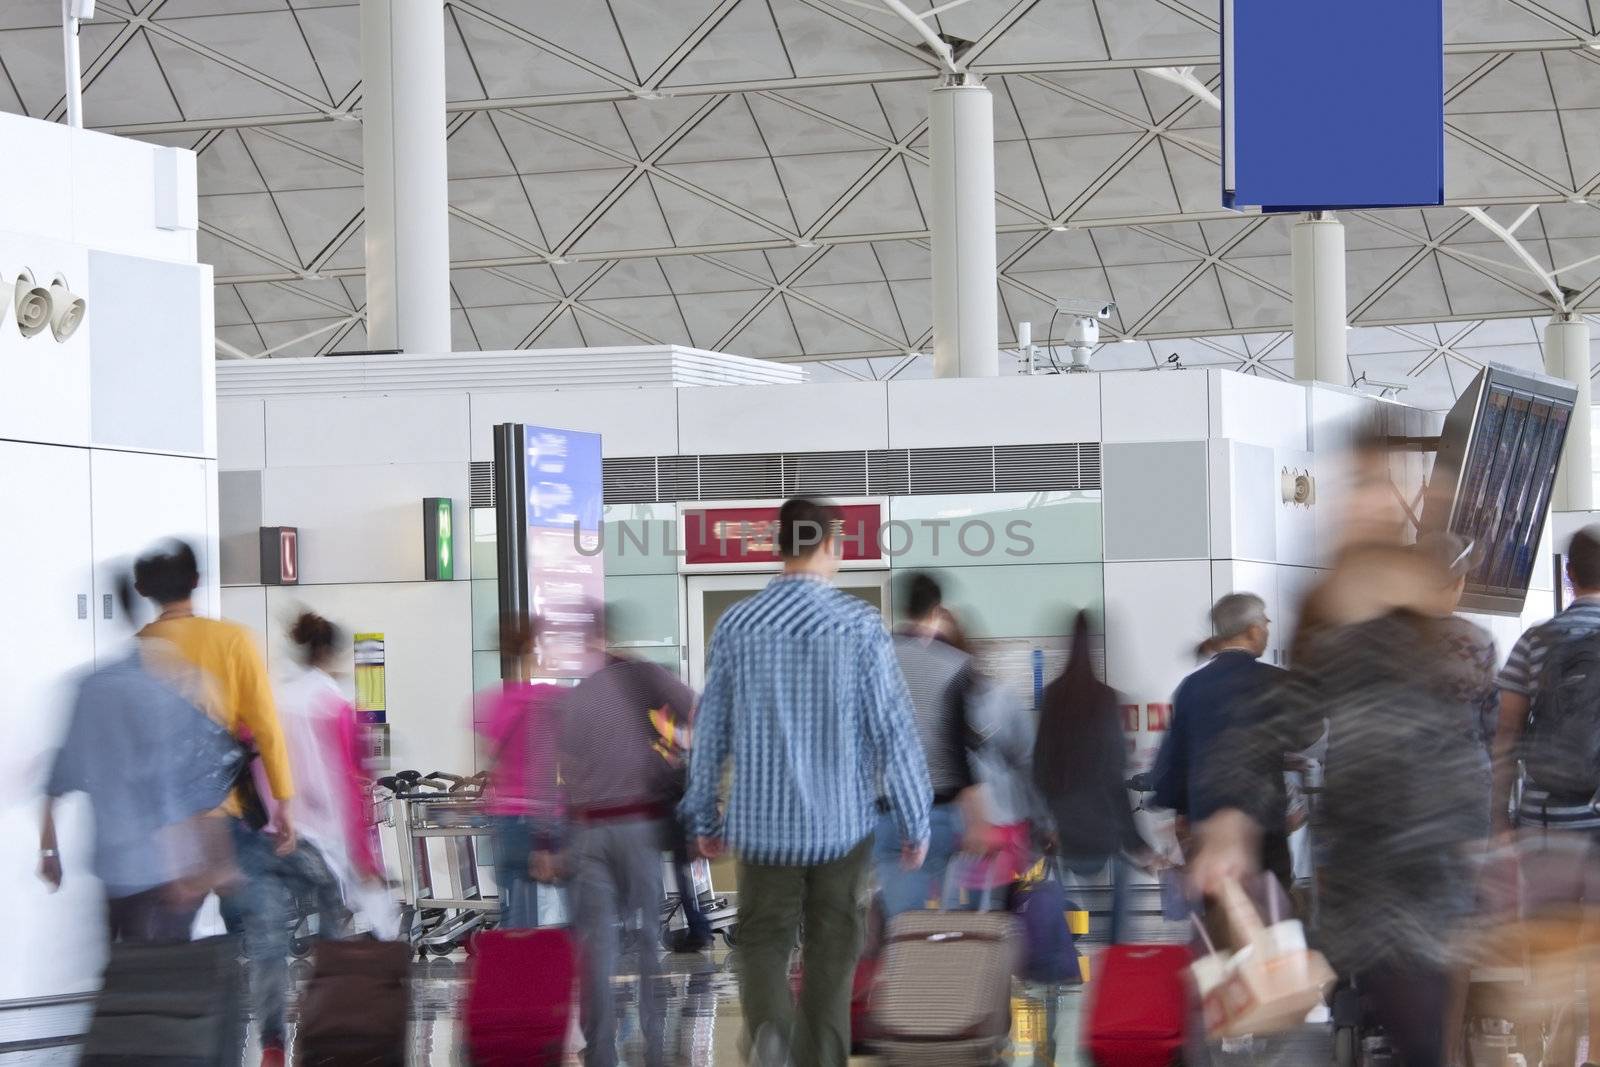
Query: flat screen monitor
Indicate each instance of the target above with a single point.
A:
(1494, 475)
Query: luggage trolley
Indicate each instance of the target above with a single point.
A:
(721, 914)
(434, 814)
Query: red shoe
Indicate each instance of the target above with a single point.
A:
(272, 1057)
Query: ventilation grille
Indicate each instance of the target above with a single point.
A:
(881, 472)
(1033, 468)
(825, 473)
(480, 481)
(889, 472)
(752, 476)
(631, 480)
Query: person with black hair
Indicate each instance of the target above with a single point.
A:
(942, 682)
(1080, 766)
(337, 859)
(805, 698)
(226, 656)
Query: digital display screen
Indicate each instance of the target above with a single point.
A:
(1505, 486)
(566, 574)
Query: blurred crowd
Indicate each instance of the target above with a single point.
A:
(1428, 810)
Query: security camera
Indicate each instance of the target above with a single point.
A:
(1087, 309)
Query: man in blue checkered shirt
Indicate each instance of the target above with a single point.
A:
(805, 697)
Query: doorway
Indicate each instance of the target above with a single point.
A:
(711, 595)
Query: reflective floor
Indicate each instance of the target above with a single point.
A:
(703, 1023)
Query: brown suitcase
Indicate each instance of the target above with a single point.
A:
(353, 1011)
(945, 997)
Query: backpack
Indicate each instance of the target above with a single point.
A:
(1561, 748)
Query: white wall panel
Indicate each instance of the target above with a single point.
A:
(247, 606)
(1154, 406)
(428, 659)
(140, 498)
(43, 643)
(1261, 579)
(1014, 410)
(630, 422)
(1258, 410)
(360, 524)
(329, 431)
(1296, 524)
(783, 418)
(148, 354)
(114, 196)
(45, 395)
(36, 193)
(241, 434)
(1156, 613)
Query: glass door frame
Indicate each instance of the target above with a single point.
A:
(696, 585)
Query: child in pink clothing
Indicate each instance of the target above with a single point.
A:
(515, 720)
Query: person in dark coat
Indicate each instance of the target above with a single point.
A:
(1206, 702)
(1080, 764)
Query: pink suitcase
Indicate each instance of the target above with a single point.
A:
(520, 998)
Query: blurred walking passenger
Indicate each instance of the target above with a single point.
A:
(943, 685)
(1549, 717)
(620, 782)
(805, 697)
(335, 826)
(516, 721)
(226, 656)
(1080, 764)
(1231, 684)
(151, 763)
(1402, 813)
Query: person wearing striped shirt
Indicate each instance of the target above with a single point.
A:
(1519, 683)
(805, 697)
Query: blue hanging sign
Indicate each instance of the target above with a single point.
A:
(1337, 104)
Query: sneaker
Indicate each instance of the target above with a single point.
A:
(682, 941)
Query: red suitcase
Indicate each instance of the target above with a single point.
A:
(520, 997)
(1138, 1003)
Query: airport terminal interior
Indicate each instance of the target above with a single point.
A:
(800, 532)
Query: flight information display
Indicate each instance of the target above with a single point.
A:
(1503, 445)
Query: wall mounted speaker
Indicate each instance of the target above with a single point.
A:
(32, 303)
(66, 309)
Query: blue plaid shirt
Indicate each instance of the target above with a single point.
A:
(804, 694)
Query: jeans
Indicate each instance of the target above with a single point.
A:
(616, 885)
(259, 909)
(773, 903)
(1089, 870)
(513, 847)
(911, 890)
(698, 926)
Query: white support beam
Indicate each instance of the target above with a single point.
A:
(1520, 250)
(966, 315)
(1566, 356)
(1319, 302)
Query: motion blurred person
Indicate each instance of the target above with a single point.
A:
(337, 856)
(1080, 765)
(226, 656)
(130, 722)
(804, 695)
(621, 781)
(1549, 715)
(1402, 803)
(516, 721)
(942, 683)
(1232, 682)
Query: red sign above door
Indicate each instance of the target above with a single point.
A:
(746, 535)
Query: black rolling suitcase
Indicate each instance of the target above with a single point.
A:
(175, 1005)
(353, 1012)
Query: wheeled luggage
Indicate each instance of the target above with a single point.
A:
(1138, 1004)
(177, 1005)
(945, 995)
(353, 1011)
(520, 997)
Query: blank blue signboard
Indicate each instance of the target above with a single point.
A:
(1332, 104)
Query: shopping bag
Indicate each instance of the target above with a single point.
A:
(1268, 983)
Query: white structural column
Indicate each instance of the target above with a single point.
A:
(1566, 356)
(1319, 301)
(966, 315)
(407, 189)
